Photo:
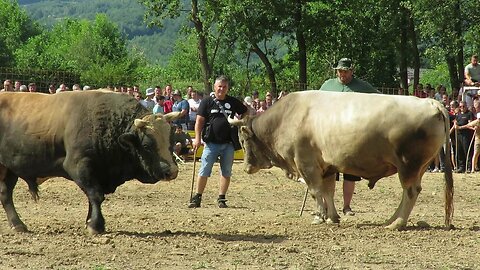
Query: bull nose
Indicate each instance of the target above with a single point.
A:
(173, 175)
(251, 169)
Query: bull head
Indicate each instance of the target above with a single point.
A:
(254, 150)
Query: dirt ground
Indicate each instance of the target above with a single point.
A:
(150, 227)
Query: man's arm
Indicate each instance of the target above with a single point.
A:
(199, 123)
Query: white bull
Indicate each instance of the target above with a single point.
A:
(315, 134)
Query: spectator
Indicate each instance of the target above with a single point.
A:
(76, 87)
(472, 72)
(194, 103)
(256, 100)
(475, 125)
(168, 105)
(32, 87)
(136, 88)
(247, 101)
(23, 88)
(17, 86)
(51, 89)
(445, 101)
(86, 88)
(130, 91)
(440, 92)
(346, 82)
(464, 136)
(138, 97)
(168, 92)
(262, 107)
(219, 142)
(268, 100)
(61, 88)
(158, 93)
(188, 93)
(418, 92)
(401, 91)
(7, 86)
(159, 105)
(182, 142)
(180, 105)
(452, 112)
(148, 102)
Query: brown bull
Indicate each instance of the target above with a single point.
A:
(97, 139)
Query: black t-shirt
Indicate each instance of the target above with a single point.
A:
(214, 116)
(463, 119)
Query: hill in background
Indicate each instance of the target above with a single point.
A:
(157, 44)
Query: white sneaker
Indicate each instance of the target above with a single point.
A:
(436, 170)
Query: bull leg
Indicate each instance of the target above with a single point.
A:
(95, 221)
(7, 184)
(79, 171)
(323, 191)
(411, 190)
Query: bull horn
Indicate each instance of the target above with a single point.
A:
(236, 122)
(139, 123)
(172, 116)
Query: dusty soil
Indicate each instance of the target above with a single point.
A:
(150, 227)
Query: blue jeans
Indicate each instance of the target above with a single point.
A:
(210, 154)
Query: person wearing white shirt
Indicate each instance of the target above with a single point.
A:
(194, 102)
(148, 102)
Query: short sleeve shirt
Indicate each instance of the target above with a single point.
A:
(214, 117)
(464, 119)
(356, 85)
(473, 71)
(179, 106)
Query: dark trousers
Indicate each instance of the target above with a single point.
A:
(463, 143)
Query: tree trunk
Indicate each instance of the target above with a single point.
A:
(268, 67)
(415, 52)
(302, 47)
(458, 32)
(452, 69)
(202, 47)
(403, 64)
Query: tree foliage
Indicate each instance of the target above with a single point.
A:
(94, 50)
(263, 45)
(16, 28)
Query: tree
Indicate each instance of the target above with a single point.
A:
(16, 28)
(443, 25)
(94, 50)
(159, 10)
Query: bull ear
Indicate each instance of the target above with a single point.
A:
(172, 116)
(247, 131)
(128, 141)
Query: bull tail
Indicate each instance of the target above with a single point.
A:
(448, 190)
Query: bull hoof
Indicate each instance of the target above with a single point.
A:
(333, 221)
(93, 231)
(397, 225)
(318, 220)
(20, 228)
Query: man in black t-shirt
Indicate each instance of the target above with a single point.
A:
(464, 137)
(219, 138)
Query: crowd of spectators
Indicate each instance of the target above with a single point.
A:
(463, 105)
